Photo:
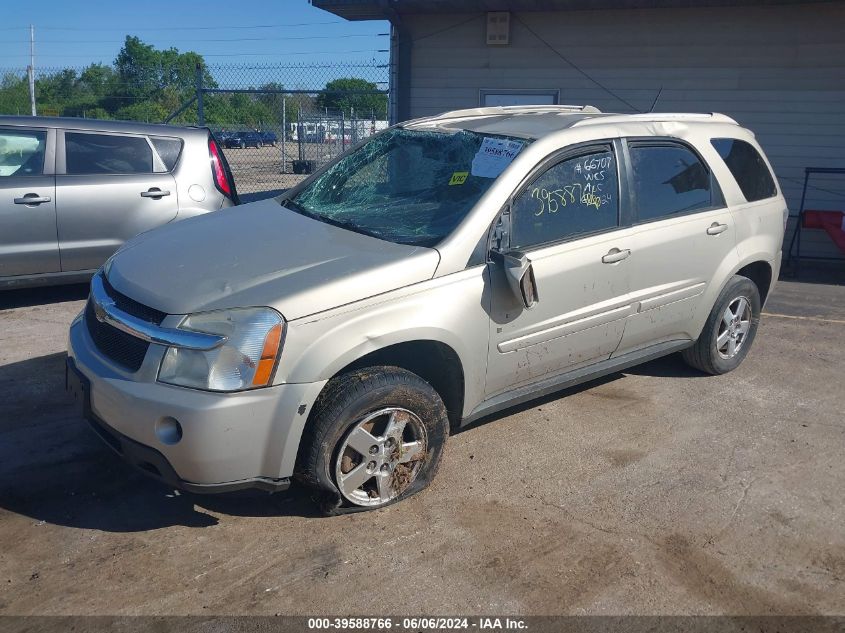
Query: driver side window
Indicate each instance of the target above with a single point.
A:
(574, 197)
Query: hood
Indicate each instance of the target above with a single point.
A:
(262, 254)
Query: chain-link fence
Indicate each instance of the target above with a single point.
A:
(276, 122)
(284, 149)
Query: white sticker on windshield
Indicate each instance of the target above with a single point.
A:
(493, 156)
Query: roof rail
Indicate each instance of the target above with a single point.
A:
(587, 109)
(525, 109)
(659, 117)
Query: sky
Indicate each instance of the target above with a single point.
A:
(79, 32)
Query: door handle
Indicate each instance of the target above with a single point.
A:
(154, 192)
(32, 198)
(716, 228)
(615, 255)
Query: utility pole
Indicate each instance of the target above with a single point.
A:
(200, 93)
(284, 134)
(31, 69)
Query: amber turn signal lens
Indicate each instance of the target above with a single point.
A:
(267, 363)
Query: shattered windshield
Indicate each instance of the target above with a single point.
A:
(408, 186)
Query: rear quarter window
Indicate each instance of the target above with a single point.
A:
(747, 167)
(168, 149)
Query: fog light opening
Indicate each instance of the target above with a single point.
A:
(168, 430)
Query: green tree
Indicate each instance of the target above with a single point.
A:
(57, 88)
(273, 100)
(147, 111)
(350, 94)
(147, 84)
(144, 70)
(152, 83)
(14, 94)
(98, 80)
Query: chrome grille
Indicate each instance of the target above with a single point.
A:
(120, 347)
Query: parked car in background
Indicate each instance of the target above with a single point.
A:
(73, 190)
(447, 269)
(222, 136)
(268, 137)
(243, 139)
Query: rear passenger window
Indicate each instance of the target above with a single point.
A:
(574, 197)
(668, 179)
(107, 154)
(168, 150)
(748, 168)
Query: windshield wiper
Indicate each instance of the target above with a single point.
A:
(349, 225)
(298, 208)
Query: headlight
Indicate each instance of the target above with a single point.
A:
(245, 361)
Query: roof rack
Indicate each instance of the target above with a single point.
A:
(660, 117)
(517, 109)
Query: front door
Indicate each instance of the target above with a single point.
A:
(28, 243)
(108, 192)
(567, 221)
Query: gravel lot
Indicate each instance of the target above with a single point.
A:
(654, 491)
(259, 169)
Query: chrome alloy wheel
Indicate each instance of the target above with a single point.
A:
(380, 456)
(734, 327)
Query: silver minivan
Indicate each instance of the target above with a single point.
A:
(443, 270)
(73, 190)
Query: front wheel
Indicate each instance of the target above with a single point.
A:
(375, 436)
(730, 329)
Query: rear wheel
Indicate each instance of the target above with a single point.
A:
(730, 329)
(376, 436)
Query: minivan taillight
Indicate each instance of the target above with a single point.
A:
(221, 178)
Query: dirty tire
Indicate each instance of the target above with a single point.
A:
(704, 354)
(345, 401)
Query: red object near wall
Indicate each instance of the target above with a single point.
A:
(828, 221)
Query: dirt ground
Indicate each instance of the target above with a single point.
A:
(258, 170)
(654, 491)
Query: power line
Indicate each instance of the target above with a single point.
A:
(448, 28)
(225, 39)
(182, 28)
(576, 67)
(363, 50)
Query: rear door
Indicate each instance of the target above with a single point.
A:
(28, 243)
(567, 221)
(109, 188)
(685, 232)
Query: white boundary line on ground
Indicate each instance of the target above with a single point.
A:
(802, 318)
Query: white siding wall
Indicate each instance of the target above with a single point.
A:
(778, 70)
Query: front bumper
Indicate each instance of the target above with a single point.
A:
(228, 441)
